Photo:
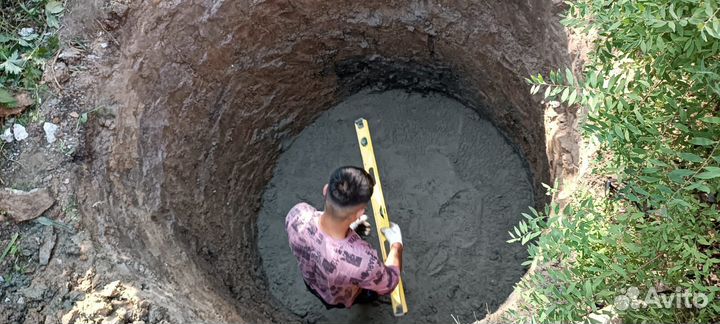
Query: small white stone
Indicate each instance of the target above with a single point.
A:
(27, 31)
(50, 131)
(7, 135)
(19, 132)
(66, 181)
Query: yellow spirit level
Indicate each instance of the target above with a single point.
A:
(382, 220)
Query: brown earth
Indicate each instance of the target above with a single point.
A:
(190, 105)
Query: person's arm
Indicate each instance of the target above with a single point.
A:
(385, 277)
(394, 258)
(394, 238)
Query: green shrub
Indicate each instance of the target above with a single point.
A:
(652, 91)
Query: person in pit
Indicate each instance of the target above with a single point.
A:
(337, 265)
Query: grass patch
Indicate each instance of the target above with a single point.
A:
(11, 253)
(28, 42)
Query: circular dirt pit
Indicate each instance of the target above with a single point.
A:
(207, 95)
(451, 181)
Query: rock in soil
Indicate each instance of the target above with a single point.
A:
(110, 290)
(7, 135)
(19, 132)
(70, 317)
(50, 131)
(48, 245)
(35, 292)
(21, 206)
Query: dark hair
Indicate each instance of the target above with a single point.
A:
(350, 186)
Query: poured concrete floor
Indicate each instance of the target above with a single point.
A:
(451, 181)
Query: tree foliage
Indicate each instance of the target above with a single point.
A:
(652, 91)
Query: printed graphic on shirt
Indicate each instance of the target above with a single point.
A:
(336, 269)
(351, 259)
(328, 266)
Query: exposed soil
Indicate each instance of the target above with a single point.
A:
(192, 102)
(452, 182)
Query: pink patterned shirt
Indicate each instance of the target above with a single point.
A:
(336, 269)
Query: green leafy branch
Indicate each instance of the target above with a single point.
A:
(651, 90)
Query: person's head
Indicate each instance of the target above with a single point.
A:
(347, 193)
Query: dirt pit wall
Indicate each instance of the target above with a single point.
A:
(207, 94)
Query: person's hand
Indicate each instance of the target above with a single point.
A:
(361, 226)
(392, 234)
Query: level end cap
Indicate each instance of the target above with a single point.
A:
(360, 122)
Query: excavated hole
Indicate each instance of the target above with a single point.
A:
(209, 95)
(450, 179)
